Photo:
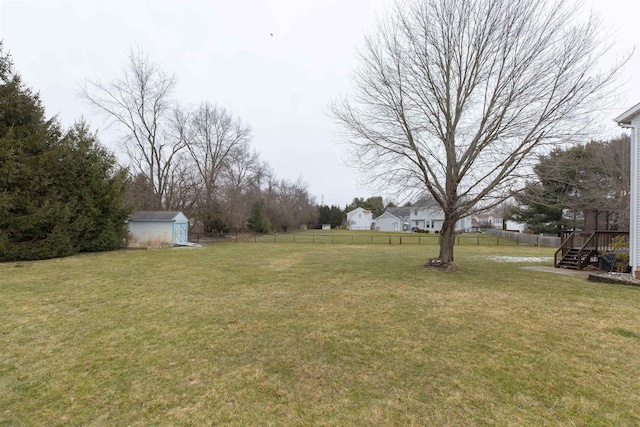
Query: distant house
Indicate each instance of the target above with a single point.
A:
(424, 215)
(157, 229)
(630, 119)
(486, 220)
(494, 221)
(359, 219)
(393, 219)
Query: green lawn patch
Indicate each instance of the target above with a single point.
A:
(309, 334)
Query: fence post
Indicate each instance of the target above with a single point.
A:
(389, 239)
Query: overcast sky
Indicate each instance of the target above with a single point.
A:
(275, 63)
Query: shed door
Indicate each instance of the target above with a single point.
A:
(182, 232)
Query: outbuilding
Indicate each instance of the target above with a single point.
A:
(630, 119)
(157, 229)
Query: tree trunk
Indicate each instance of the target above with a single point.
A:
(447, 239)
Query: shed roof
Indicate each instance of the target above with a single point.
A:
(626, 117)
(155, 215)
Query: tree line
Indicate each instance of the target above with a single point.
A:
(197, 159)
(64, 192)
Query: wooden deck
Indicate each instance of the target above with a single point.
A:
(582, 248)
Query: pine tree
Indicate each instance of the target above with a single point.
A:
(61, 194)
(258, 221)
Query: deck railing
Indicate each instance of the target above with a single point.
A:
(598, 242)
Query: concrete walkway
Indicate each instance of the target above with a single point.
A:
(563, 271)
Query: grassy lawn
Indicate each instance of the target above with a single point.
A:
(282, 334)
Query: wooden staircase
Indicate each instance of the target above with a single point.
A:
(575, 259)
(580, 249)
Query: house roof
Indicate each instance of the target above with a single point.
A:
(389, 214)
(154, 215)
(426, 202)
(626, 117)
(366, 211)
(488, 215)
(398, 212)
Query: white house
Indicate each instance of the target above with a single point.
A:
(486, 220)
(393, 220)
(630, 119)
(424, 215)
(157, 229)
(359, 219)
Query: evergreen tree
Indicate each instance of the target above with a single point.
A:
(569, 181)
(61, 193)
(258, 221)
(375, 204)
(94, 187)
(332, 215)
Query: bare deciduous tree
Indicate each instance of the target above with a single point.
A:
(289, 205)
(212, 136)
(455, 96)
(140, 102)
(242, 177)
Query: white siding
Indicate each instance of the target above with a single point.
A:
(359, 219)
(150, 234)
(148, 230)
(634, 226)
(388, 222)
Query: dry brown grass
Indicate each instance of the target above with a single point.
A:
(313, 335)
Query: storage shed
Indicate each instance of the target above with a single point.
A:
(157, 229)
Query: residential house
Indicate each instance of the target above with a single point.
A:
(393, 219)
(359, 219)
(424, 215)
(630, 119)
(486, 220)
(157, 229)
(494, 221)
